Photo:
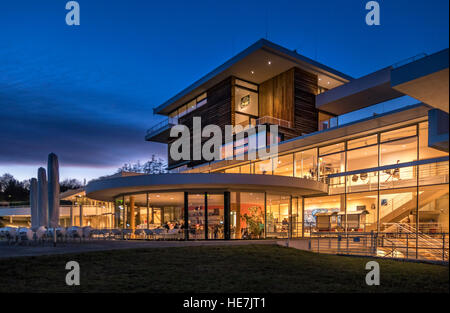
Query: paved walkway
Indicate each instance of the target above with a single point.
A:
(9, 251)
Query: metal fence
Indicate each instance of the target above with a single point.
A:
(391, 245)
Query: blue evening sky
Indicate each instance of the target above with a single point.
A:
(87, 92)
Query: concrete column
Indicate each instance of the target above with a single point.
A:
(238, 215)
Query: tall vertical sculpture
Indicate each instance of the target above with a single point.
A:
(53, 190)
(34, 203)
(42, 197)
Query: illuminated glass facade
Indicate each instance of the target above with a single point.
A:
(376, 183)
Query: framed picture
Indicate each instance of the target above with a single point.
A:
(245, 101)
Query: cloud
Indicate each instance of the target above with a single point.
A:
(88, 120)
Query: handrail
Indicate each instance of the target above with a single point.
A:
(274, 121)
(166, 122)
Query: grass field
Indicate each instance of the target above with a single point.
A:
(217, 269)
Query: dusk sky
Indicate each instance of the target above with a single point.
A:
(86, 92)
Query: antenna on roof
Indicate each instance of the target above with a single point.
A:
(267, 23)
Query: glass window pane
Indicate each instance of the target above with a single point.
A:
(246, 84)
(196, 207)
(247, 215)
(426, 152)
(118, 213)
(362, 142)
(362, 211)
(233, 170)
(202, 102)
(331, 164)
(277, 215)
(397, 206)
(398, 177)
(216, 216)
(283, 165)
(246, 101)
(399, 151)
(321, 213)
(296, 218)
(182, 110)
(166, 213)
(191, 105)
(201, 97)
(264, 167)
(362, 182)
(246, 169)
(433, 209)
(399, 133)
(306, 164)
(362, 158)
(433, 173)
(332, 148)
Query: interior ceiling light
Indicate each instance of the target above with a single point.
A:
(270, 62)
(253, 72)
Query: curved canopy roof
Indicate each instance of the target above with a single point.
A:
(108, 189)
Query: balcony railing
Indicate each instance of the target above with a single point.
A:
(273, 121)
(167, 123)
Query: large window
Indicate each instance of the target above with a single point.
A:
(433, 209)
(197, 223)
(362, 158)
(247, 215)
(216, 216)
(277, 216)
(284, 165)
(245, 103)
(324, 213)
(166, 210)
(362, 211)
(263, 167)
(397, 206)
(296, 218)
(189, 106)
(306, 164)
(331, 164)
(425, 152)
(399, 151)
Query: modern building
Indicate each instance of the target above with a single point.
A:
(354, 155)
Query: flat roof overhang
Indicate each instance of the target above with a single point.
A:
(108, 189)
(255, 58)
(359, 93)
(425, 79)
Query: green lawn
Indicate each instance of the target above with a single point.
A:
(255, 268)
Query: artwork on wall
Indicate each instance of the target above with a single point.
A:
(245, 101)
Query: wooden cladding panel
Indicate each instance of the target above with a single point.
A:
(266, 98)
(217, 111)
(276, 96)
(305, 113)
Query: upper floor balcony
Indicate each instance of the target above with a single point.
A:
(161, 131)
(270, 120)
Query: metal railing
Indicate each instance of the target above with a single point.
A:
(273, 121)
(405, 245)
(169, 122)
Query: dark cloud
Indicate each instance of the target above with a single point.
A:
(46, 110)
